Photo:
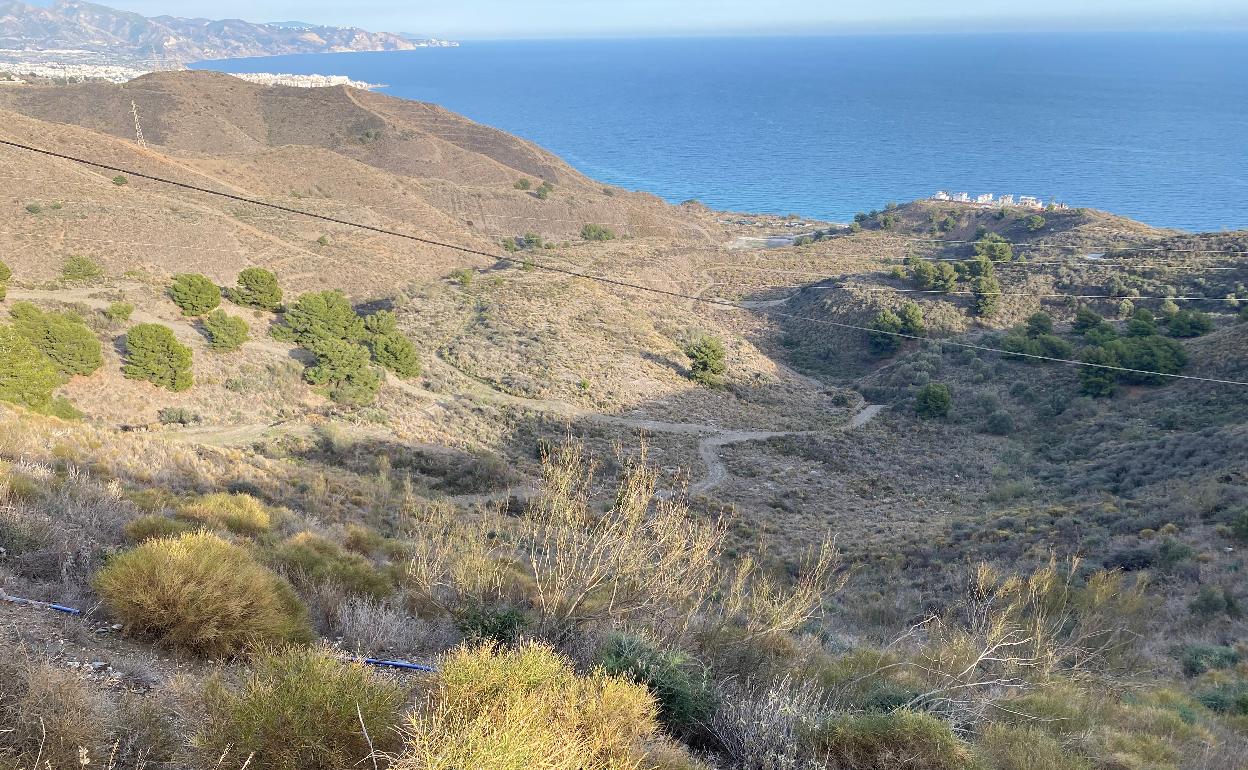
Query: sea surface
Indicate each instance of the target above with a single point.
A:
(1148, 125)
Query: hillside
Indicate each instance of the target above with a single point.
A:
(73, 25)
(739, 534)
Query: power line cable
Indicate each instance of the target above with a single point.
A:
(606, 280)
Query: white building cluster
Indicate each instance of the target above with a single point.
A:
(990, 199)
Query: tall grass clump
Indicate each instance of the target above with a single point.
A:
(48, 715)
(240, 513)
(525, 709)
(200, 593)
(302, 709)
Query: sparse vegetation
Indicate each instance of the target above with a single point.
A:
(119, 312)
(592, 232)
(155, 355)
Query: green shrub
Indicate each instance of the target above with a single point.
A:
(1239, 526)
(526, 708)
(119, 312)
(120, 181)
(34, 208)
(933, 400)
(1190, 323)
(240, 513)
(302, 709)
(592, 232)
(1196, 659)
(882, 340)
(1226, 698)
(1003, 747)
(312, 559)
(194, 294)
(1148, 354)
(893, 741)
(225, 332)
(544, 190)
(999, 423)
(155, 526)
(27, 376)
(200, 593)
(994, 248)
(1034, 223)
(5, 273)
(523, 184)
(1095, 380)
(1039, 324)
(257, 288)
(1142, 324)
(707, 360)
(63, 338)
(680, 686)
(155, 355)
(912, 321)
(1211, 602)
(1243, 314)
(79, 269)
(177, 415)
(987, 295)
(501, 625)
(1085, 320)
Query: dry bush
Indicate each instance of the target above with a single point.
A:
(525, 709)
(1013, 748)
(240, 513)
(302, 709)
(454, 565)
(49, 714)
(642, 558)
(370, 626)
(768, 727)
(311, 559)
(200, 593)
(895, 740)
(155, 526)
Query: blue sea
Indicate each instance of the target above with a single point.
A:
(1148, 125)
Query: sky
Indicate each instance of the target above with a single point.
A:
(468, 19)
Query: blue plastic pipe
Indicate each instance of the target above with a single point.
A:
(42, 605)
(399, 664)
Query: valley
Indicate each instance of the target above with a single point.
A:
(841, 474)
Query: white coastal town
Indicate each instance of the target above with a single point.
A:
(991, 200)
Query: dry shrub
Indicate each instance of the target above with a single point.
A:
(895, 740)
(200, 593)
(311, 559)
(155, 526)
(1015, 748)
(768, 727)
(302, 709)
(49, 714)
(240, 513)
(370, 626)
(525, 709)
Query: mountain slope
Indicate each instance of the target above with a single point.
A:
(87, 26)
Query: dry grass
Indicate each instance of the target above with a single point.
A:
(49, 714)
(200, 593)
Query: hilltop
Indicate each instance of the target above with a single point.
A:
(464, 450)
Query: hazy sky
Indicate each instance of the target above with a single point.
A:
(564, 18)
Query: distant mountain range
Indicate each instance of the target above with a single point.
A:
(69, 24)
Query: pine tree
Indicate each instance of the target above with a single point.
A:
(155, 355)
(62, 337)
(194, 294)
(396, 353)
(321, 316)
(225, 332)
(342, 369)
(257, 288)
(882, 340)
(27, 376)
(707, 365)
